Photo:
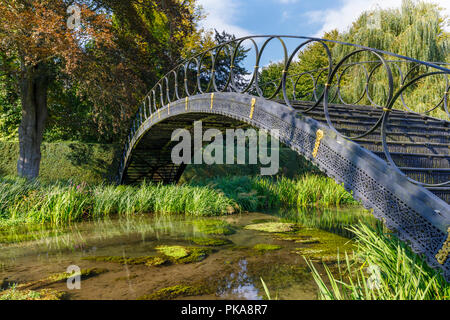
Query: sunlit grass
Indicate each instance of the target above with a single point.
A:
(59, 204)
(256, 193)
(387, 269)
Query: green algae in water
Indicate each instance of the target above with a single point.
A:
(258, 221)
(263, 247)
(168, 254)
(272, 227)
(213, 227)
(84, 273)
(184, 255)
(44, 294)
(60, 277)
(176, 252)
(298, 238)
(196, 255)
(308, 241)
(213, 242)
(175, 292)
(146, 260)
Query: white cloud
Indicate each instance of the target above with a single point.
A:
(341, 18)
(222, 15)
(287, 1)
(285, 15)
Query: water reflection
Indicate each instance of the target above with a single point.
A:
(239, 285)
(235, 267)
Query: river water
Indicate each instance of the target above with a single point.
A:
(232, 270)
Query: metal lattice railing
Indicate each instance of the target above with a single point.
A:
(220, 69)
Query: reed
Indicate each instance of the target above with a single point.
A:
(387, 269)
(61, 203)
(255, 193)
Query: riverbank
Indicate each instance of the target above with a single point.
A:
(386, 269)
(54, 215)
(64, 202)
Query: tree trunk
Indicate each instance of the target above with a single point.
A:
(33, 90)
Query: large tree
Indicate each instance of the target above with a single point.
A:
(106, 64)
(36, 38)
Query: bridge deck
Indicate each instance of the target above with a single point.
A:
(419, 145)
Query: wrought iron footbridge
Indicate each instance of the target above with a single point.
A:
(352, 116)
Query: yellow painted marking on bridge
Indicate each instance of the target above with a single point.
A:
(319, 136)
(386, 109)
(159, 113)
(187, 101)
(442, 254)
(212, 100)
(168, 108)
(252, 110)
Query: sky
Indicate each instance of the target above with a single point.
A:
(290, 17)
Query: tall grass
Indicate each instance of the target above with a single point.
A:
(253, 193)
(396, 272)
(62, 203)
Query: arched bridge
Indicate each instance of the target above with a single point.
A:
(375, 121)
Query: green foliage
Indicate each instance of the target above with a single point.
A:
(396, 273)
(70, 118)
(92, 163)
(10, 109)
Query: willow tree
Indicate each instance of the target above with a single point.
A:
(416, 30)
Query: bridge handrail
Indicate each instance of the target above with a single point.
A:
(192, 83)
